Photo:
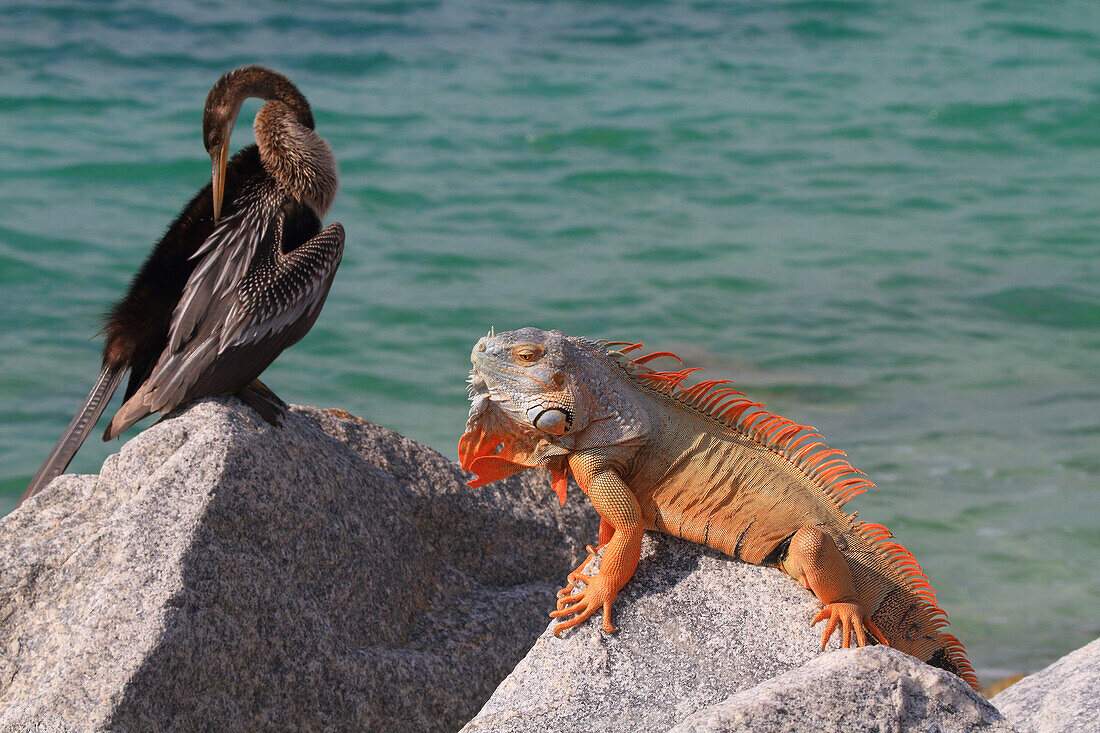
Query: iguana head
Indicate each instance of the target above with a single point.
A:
(537, 396)
(526, 374)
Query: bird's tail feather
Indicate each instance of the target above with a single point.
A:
(73, 437)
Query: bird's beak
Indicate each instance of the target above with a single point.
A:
(217, 161)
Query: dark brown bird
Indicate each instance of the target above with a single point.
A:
(228, 287)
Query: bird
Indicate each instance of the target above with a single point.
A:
(241, 273)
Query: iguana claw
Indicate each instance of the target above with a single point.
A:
(850, 616)
(573, 577)
(570, 589)
(585, 603)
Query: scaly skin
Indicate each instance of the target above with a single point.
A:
(702, 463)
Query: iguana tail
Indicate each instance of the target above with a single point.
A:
(895, 592)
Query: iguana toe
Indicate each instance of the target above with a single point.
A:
(574, 578)
(585, 603)
(577, 575)
(851, 617)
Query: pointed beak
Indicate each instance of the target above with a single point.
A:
(217, 160)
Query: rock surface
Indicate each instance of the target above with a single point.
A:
(1062, 697)
(332, 575)
(870, 689)
(223, 574)
(697, 627)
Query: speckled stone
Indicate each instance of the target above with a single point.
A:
(869, 689)
(223, 574)
(696, 628)
(1062, 697)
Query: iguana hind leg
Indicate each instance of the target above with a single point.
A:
(814, 560)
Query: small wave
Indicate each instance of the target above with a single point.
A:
(1060, 307)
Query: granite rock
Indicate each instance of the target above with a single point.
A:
(870, 689)
(697, 627)
(1062, 697)
(223, 574)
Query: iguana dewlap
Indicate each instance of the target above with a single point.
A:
(702, 463)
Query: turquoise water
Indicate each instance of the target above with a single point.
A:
(879, 218)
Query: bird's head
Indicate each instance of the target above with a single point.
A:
(223, 105)
(217, 125)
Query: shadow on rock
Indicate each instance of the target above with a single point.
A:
(327, 574)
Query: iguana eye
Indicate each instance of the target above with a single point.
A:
(527, 353)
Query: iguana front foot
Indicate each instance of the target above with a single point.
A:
(850, 616)
(597, 594)
(577, 575)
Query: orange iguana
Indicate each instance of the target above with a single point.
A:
(703, 463)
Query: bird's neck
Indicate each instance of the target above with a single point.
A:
(295, 156)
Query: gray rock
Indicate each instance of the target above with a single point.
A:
(223, 574)
(697, 627)
(1063, 697)
(870, 689)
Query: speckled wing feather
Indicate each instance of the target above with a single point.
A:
(223, 260)
(241, 332)
(278, 293)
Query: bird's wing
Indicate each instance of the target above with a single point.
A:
(285, 292)
(275, 303)
(223, 261)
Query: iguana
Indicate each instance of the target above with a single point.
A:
(700, 462)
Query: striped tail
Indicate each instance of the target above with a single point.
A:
(73, 437)
(895, 592)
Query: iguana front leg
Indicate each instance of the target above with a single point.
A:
(814, 560)
(606, 531)
(619, 509)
